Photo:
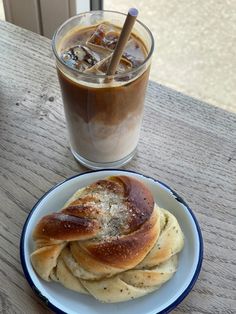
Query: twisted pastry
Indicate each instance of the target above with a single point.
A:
(110, 240)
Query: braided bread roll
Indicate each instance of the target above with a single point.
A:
(110, 240)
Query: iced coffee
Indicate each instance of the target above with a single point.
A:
(103, 114)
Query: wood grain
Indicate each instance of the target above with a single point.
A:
(185, 143)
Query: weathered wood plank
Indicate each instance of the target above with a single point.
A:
(188, 144)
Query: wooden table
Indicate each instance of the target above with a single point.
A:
(185, 143)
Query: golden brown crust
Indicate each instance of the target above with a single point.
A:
(65, 227)
(139, 200)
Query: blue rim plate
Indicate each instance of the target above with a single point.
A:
(163, 300)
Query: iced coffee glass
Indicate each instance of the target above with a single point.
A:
(103, 114)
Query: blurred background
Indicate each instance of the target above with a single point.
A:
(195, 40)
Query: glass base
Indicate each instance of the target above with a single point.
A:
(102, 165)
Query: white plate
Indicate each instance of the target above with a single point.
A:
(62, 300)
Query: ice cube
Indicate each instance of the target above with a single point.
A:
(80, 57)
(134, 53)
(102, 66)
(124, 65)
(98, 36)
(79, 53)
(104, 37)
(133, 60)
(111, 39)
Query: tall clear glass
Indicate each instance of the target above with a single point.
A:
(103, 116)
